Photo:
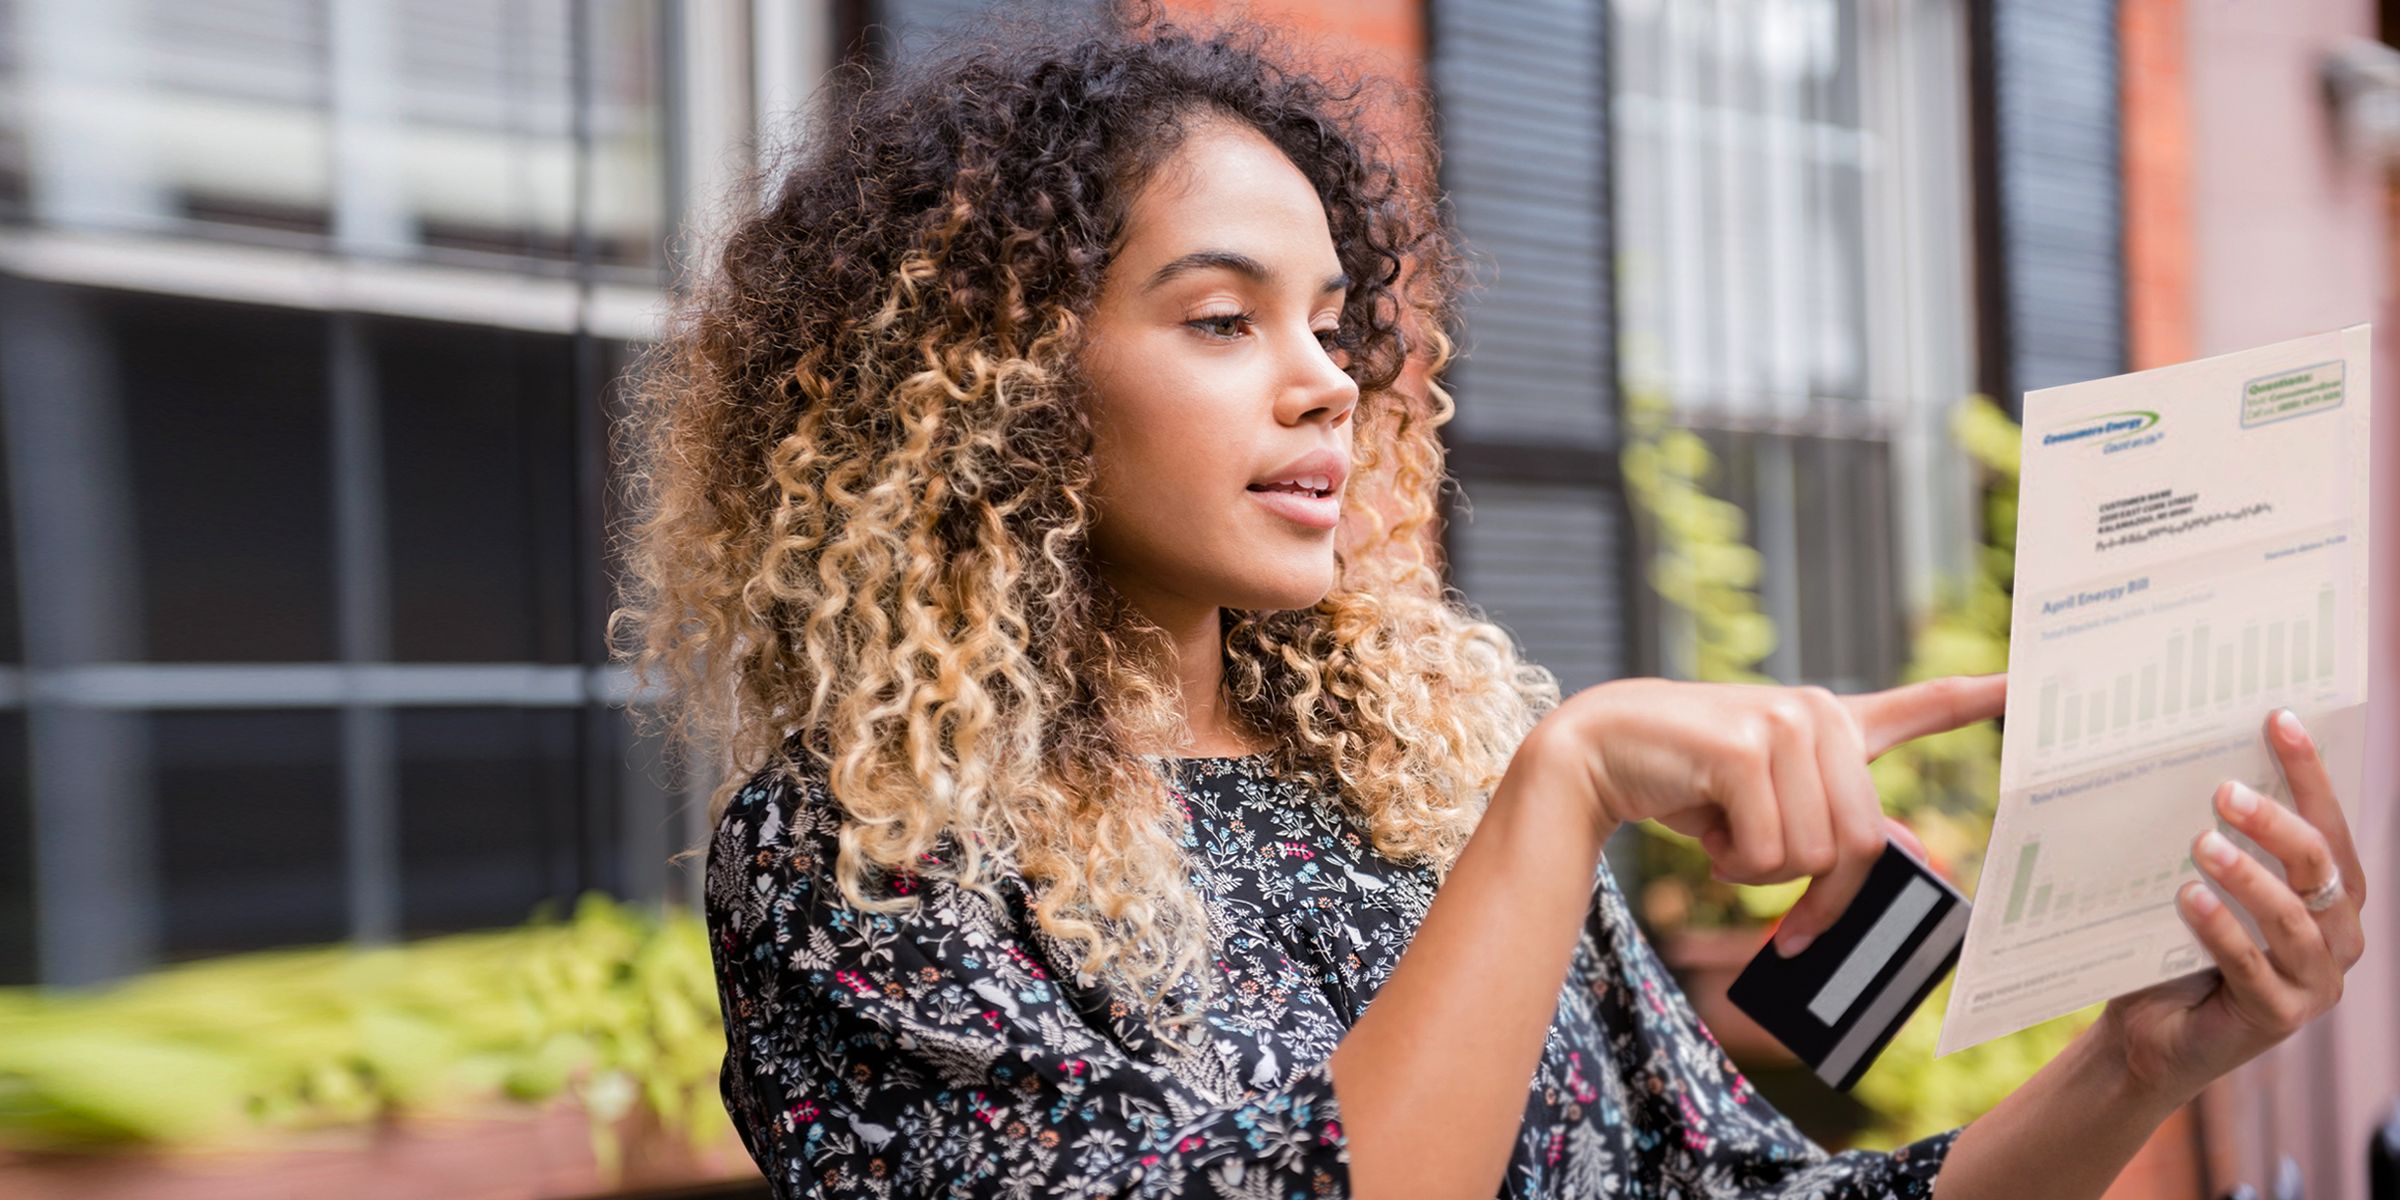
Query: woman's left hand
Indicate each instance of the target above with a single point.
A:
(2178, 1035)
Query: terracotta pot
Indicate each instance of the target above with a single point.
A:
(501, 1153)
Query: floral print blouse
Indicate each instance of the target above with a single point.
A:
(951, 1054)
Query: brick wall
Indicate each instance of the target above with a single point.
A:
(1389, 32)
(2157, 147)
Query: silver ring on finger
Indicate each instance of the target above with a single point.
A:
(2321, 897)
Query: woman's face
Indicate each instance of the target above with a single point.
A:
(1211, 364)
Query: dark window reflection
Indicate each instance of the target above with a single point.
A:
(12, 648)
(248, 829)
(16, 855)
(225, 409)
(479, 449)
(488, 815)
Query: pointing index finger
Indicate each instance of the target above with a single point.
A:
(1910, 711)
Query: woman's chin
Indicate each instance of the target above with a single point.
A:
(1300, 587)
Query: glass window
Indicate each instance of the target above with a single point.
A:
(480, 486)
(659, 817)
(248, 830)
(1849, 625)
(16, 854)
(491, 820)
(1756, 145)
(1740, 202)
(12, 648)
(499, 130)
(227, 430)
(486, 144)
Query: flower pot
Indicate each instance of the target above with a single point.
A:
(500, 1152)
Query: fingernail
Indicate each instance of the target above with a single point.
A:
(2199, 899)
(1791, 944)
(2289, 725)
(2216, 849)
(2243, 801)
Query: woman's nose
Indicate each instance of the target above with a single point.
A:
(1319, 387)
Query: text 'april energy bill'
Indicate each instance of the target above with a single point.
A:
(2191, 555)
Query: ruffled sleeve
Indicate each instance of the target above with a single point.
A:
(873, 1055)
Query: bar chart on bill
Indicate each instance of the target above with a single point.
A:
(2041, 894)
(2186, 678)
(2109, 850)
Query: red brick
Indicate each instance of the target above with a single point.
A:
(2156, 133)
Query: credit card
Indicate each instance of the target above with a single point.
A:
(1836, 1003)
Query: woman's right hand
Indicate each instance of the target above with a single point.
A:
(1772, 780)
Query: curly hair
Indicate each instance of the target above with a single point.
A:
(862, 466)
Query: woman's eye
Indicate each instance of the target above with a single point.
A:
(1223, 325)
(1230, 325)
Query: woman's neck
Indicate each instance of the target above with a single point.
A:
(1194, 651)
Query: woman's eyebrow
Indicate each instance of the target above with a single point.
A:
(1234, 261)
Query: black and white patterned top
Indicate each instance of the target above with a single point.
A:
(951, 1054)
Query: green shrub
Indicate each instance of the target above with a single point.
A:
(614, 1006)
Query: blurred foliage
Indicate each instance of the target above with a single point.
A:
(1945, 786)
(1700, 560)
(616, 1006)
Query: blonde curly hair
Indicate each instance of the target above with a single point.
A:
(863, 474)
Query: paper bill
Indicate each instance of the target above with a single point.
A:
(2191, 554)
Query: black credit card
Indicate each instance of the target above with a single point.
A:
(1836, 1003)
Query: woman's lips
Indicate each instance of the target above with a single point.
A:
(1302, 508)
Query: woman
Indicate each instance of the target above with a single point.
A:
(1036, 503)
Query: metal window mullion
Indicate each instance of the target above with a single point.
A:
(370, 769)
(369, 221)
(1728, 238)
(1894, 366)
(1837, 455)
(1834, 459)
(161, 687)
(1776, 520)
(1785, 390)
(1813, 204)
(1890, 646)
(1939, 537)
(95, 885)
(370, 213)
(1779, 530)
(1685, 310)
(1786, 339)
(309, 281)
(1774, 516)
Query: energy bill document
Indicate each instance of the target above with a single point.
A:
(2191, 555)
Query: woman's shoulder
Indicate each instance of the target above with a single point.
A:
(781, 831)
(784, 803)
(778, 830)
